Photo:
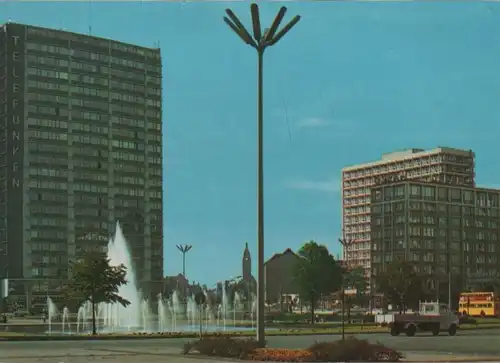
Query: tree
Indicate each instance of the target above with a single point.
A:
(95, 280)
(355, 279)
(316, 273)
(400, 284)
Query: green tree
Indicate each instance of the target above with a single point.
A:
(401, 285)
(95, 280)
(316, 273)
(355, 279)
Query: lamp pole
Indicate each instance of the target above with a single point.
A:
(346, 243)
(184, 249)
(260, 42)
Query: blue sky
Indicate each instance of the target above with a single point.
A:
(351, 81)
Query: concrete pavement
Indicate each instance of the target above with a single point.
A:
(482, 345)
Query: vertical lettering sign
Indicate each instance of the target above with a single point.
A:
(15, 135)
(16, 88)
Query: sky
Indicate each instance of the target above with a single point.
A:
(351, 81)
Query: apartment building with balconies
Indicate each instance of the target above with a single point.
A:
(442, 164)
(444, 230)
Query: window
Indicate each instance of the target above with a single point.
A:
(415, 191)
(428, 192)
(455, 195)
(442, 194)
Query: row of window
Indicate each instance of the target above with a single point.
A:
(57, 173)
(106, 44)
(87, 127)
(49, 209)
(129, 180)
(432, 232)
(32, 121)
(46, 184)
(93, 56)
(48, 222)
(87, 91)
(103, 70)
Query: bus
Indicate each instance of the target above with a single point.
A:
(479, 304)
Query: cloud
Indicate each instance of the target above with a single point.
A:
(312, 122)
(331, 186)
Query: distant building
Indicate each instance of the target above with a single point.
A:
(175, 283)
(246, 274)
(442, 164)
(279, 275)
(441, 228)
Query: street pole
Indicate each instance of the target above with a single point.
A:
(184, 249)
(260, 41)
(345, 244)
(449, 289)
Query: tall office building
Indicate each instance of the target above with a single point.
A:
(446, 165)
(81, 148)
(443, 229)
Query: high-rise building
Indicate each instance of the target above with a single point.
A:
(445, 230)
(81, 148)
(446, 165)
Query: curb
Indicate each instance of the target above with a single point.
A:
(34, 338)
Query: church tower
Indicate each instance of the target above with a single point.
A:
(247, 264)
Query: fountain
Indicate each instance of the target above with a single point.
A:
(173, 314)
(162, 314)
(51, 312)
(65, 319)
(236, 306)
(253, 309)
(225, 306)
(125, 318)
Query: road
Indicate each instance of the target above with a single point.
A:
(466, 343)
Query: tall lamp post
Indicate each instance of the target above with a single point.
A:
(184, 249)
(260, 42)
(346, 243)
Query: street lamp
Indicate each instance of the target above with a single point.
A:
(260, 41)
(346, 243)
(184, 249)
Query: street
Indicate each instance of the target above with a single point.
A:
(467, 343)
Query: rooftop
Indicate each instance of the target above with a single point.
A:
(408, 154)
(68, 35)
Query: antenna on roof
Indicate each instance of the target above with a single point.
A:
(90, 17)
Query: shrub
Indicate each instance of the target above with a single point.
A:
(282, 355)
(353, 349)
(222, 347)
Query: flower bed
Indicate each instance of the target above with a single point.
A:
(282, 355)
(348, 350)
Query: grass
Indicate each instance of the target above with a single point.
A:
(277, 332)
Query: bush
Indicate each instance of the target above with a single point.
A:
(222, 347)
(282, 355)
(353, 349)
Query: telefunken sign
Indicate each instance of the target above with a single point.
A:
(17, 109)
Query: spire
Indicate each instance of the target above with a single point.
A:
(246, 245)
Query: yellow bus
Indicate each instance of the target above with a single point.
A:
(479, 304)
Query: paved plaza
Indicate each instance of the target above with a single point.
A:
(466, 346)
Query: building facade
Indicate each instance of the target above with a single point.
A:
(442, 229)
(279, 273)
(446, 165)
(81, 148)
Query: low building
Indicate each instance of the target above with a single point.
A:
(279, 276)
